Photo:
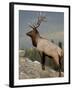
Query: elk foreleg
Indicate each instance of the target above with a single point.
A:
(42, 60)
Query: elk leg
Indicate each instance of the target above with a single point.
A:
(59, 70)
(60, 67)
(42, 60)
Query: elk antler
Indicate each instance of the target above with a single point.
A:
(32, 26)
(40, 19)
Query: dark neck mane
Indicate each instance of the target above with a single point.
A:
(34, 39)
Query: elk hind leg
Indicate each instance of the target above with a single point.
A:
(59, 67)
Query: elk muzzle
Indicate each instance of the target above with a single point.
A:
(28, 34)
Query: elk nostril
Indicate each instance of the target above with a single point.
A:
(26, 33)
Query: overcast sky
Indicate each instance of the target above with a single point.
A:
(53, 29)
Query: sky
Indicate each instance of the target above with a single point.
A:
(53, 29)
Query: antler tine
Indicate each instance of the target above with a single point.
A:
(32, 26)
(40, 19)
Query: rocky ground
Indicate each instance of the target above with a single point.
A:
(29, 70)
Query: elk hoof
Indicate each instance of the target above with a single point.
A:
(59, 74)
(43, 67)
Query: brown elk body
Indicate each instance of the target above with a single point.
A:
(45, 47)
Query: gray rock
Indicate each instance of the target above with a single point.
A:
(23, 76)
(29, 70)
(21, 53)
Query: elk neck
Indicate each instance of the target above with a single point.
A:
(35, 39)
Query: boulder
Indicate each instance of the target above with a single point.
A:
(29, 69)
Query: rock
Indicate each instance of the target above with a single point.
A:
(29, 70)
(36, 62)
(23, 76)
(21, 53)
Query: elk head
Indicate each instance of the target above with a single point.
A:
(34, 33)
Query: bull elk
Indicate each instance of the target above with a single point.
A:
(44, 46)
